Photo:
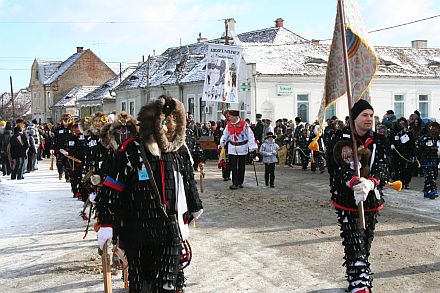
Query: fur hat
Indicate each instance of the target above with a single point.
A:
(108, 131)
(152, 132)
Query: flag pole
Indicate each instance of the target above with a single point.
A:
(349, 98)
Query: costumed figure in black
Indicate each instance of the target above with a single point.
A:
(95, 151)
(289, 143)
(403, 153)
(112, 137)
(429, 145)
(316, 149)
(303, 140)
(149, 197)
(61, 133)
(240, 139)
(349, 190)
(74, 151)
(191, 140)
(223, 164)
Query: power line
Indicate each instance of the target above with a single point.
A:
(403, 24)
(105, 22)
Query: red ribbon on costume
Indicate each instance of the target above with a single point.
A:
(162, 175)
(236, 128)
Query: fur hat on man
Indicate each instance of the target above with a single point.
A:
(109, 132)
(152, 131)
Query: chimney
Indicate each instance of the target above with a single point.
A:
(419, 44)
(79, 49)
(315, 42)
(201, 39)
(279, 22)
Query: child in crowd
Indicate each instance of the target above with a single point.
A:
(269, 152)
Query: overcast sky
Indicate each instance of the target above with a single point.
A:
(123, 31)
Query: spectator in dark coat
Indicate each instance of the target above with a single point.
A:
(17, 150)
(5, 139)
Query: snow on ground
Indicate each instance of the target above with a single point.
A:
(252, 240)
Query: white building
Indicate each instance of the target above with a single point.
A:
(282, 76)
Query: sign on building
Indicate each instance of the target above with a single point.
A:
(284, 90)
(222, 64)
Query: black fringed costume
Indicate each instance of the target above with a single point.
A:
(404, 144)
(153, 240)
(76, 147)
(374, 167)
(429, 160)
(61, 133)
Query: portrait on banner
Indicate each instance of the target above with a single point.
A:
(222, 64)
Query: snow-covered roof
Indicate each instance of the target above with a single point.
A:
(275, 51)
(50, 71)
(103, 92)
(293, 59)
(46, 69)
(273, 35)
(22, 97)
(73, 95)
(409, 62)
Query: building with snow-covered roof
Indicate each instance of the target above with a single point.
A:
(17, 108)
(52, 80)
(282, 75)
(102, 98)
(68, 103)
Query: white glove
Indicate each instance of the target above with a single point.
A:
(274, 152)
(105, 234)
(92, 197)
(64, 152)
(361, 189)
(393, 147)
(95, 179)
(197, 214)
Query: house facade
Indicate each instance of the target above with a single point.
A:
(51, 81)
(102, 98)
(282, 75)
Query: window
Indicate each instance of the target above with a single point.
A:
(124, 106)
(36, 106)
(220, 107)
(331, 111)
(303, 107)
(49, 99)
(131, 110)
(190, 107)
(399, 106)
(423, 105)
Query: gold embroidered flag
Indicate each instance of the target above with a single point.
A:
(362, 59)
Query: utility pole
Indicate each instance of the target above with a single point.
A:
(12, 98)
(120, 72)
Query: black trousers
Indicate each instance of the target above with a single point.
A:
(62, 164)
(403, 170)
(269, 173)
(238, 167)
(6, 167)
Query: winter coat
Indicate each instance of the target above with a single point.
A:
(268, 150)
(342, 194)
(18, 147)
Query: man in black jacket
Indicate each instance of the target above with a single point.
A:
(349, 190)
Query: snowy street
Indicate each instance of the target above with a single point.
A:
(255, 239)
